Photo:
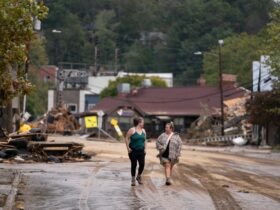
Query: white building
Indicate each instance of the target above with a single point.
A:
(262, 75)
(83, 99)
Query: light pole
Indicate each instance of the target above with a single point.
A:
(37, 27)
(221, 42)
(56, 43)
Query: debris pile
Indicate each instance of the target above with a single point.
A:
(60, 120)
(235, 121)
(236, 116)
(33, 147)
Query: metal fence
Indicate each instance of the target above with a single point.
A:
(226, 138)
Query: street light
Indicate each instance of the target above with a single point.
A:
(37, 27)
(221, 42)
(198, 53)
(56, 31)
(56, 43)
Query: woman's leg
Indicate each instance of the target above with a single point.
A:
(141, 161)
(167, 169)
(168, 173)
(133, 161)
(171, 168)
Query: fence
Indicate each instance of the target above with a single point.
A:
(227, 138)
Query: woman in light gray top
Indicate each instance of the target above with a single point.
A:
(169, 145)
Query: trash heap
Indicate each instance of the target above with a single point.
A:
(33, 147)
(60, 120)
(235, 120)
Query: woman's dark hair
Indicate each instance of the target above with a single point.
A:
(137, 120)
(171, 125)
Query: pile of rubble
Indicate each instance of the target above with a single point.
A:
(33, 147)
(235, 121)
(59, 120)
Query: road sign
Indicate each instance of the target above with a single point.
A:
(119, 132)
(100, 113)
(91, 122)
(114, 122)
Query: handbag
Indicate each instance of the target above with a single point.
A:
(165, 146)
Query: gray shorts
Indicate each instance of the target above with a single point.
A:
(164, 160)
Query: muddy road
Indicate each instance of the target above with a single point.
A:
(202, 180)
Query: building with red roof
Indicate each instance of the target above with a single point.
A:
(182, 105)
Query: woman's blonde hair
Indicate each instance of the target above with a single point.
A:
(171, 125)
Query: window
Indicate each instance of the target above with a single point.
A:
(124, 120)
(179, 121)
(72, 108)
(90, 107)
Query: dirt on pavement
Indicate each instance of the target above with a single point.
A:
(202, 180)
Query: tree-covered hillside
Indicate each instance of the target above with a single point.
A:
(149, 35)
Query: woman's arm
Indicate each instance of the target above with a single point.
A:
(179, 148)
(160, 143)
(145, 143)
(127, 139)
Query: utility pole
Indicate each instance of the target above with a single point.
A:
(221, 42)
(59, 87)
(95, 58)
(116, 59)
(259, 78)
(26, 68)
(259, 127)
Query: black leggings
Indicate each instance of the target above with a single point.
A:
(134, 156)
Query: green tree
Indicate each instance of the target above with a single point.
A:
(134, 81)
(188, 26)
(272, 41)
(67, 46)
(268, 104)
(16, 26)
(37, 100)
(237, 55)
(105, 33)
(139, 58)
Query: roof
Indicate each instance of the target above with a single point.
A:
(178, 101)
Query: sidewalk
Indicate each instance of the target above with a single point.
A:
(9, 181)
(251, 151)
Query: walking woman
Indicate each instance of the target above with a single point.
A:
(136, 144)
(169, 145)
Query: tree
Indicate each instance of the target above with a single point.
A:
(265, 108)
(105, 34)
(188, 26)
(67, 46)
(237, 55)
(16, 26)
(134, 81)
(272, 41)
(37, 101)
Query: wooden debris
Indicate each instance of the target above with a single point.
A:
(42, 150)
(60, 120)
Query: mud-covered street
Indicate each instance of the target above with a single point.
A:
(202, 180)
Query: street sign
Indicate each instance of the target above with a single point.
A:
(118, 130)
(91, 122)
(114, 122)
(100, 113)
